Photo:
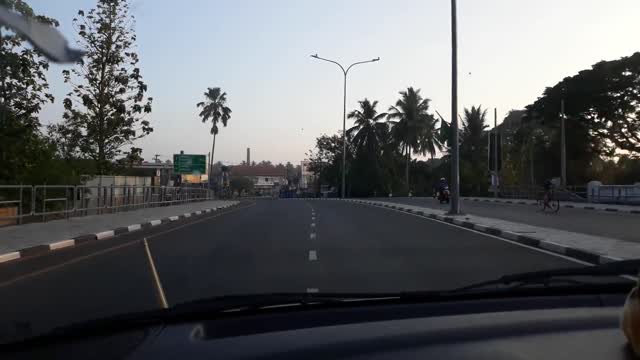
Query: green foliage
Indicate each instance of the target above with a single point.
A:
(215, 108)
(241, 185)
(106, 108)
(473, 152)
(413, 128)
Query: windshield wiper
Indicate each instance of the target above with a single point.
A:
(545, 277)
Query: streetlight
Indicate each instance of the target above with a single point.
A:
(344, 112)
(455, 155)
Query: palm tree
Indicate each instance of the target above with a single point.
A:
(214, 108)
(473, 133)
(414, 129)
(367, 130)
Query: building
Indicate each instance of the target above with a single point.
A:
(267, 180)
(307, 176)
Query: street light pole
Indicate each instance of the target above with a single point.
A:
(563, 148)
(344, 113)
(455, 156)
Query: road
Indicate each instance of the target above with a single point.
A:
(606, 224)
(261, 246)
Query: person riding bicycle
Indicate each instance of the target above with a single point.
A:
(548, 188)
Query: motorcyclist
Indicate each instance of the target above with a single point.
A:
(442, 184)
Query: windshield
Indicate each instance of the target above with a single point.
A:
(154, 153)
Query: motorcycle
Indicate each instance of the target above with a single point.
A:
(443, 196)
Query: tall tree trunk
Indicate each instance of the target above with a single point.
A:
(213, 149)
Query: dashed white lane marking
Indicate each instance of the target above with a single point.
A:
(313, 255)
(313, 224)
(313, 290)
(312, 236)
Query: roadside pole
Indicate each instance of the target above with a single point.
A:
(455, 171)
(495, 153)
(563, 149)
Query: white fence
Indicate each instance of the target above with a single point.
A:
(617, 194)
(37, 202)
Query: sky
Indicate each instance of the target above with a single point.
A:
(282, 99)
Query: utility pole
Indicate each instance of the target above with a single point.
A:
(495, 153)
(455, 155)
(563, 148)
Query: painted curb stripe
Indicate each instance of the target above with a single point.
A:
(134, 227)
(61, 244)
(9, 256)
(105, 235)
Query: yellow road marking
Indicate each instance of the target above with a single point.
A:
(156, 278)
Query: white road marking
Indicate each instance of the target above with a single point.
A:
(498, 238)
(313, 290)
(105, 235)
(10, 256)
(313, 224)
(313, 255)
(312, 236)
(62, 244)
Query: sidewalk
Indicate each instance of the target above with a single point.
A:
(567, 204)
(588, 248)
(62, 233)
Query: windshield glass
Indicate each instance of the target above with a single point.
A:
(154, 152)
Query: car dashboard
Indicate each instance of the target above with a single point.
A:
(575, 327)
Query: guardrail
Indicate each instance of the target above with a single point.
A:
(30, 203)
(617, 194)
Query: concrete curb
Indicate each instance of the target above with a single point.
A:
(568, 206)
(579, 254)
(102, 235)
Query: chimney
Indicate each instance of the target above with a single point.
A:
(248, 156)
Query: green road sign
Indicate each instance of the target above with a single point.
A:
(189, 164)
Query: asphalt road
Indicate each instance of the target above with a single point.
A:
(266, 246)
(617, 225)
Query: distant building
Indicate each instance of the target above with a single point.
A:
(306, 176)
(267, 180)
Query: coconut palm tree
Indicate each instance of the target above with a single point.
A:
(414, 129)
(214, 108)
(365, 133)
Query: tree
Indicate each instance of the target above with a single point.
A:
(368, 127)
(473, 151)
(604, 100)
(241, 185)
(106, 108)
(23, 92)
(414, 129)
(367, 136)
(214, 108)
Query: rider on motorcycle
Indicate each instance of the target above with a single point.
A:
(442, 185)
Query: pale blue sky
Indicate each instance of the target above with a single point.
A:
(258, 52)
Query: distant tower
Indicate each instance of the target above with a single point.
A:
(248, 156)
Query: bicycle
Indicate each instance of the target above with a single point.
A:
(549, 201)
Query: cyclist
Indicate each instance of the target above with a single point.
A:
(548, 188)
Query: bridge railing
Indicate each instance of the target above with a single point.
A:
(32, 203)
(615, 194)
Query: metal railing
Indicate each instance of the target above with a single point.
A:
(31, 203)
(615, 194)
